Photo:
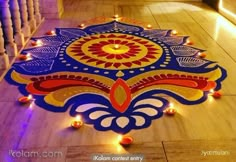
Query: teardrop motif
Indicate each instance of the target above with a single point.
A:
(120, 95)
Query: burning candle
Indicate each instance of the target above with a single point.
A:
(202, 55)
(189, 42)
(23, 57)
(116, 46)
(149, 26)
(174, 32)
(77, 123)
(125, 140)
(37, 43)
(25, 99)
(81, 25)
(116, 16)
(170, 110)
(52, 32)
(215, 94)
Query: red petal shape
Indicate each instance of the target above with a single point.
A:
(137, 40)
(76, 47)
(85, 57)
(94, 37)
(104, 43)
(111, 41)
(130, 44)
(137, 62)
(111, 36)
(150, 56)
(134, 46)
(130, 38)
(131, 54)
(96, 45)
(79, 54)
(117, 65)
(87, 39)
(102, 54)
(102, 36)
(143, 42)
(117, 41)
(120, 107)
(92, 60)
(128, 64)
(152, 53)
(76, 51)
(118, 57)
(134, 50)
(124, 42)
(152, 49)
(111, 56)
(82, 42)
(149, 45)
(122, 36)
(97, 52)
(100, 62)
(125, 56)
(144, 60)
(108, 64)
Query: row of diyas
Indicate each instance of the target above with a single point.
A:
(77, 123)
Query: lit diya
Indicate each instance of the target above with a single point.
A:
(52, 32)
(174, 32)
(125, 140)
(116, 16)
(215, 94)
(81, 25)
(77, 123)
(201, 54)
(189, 42)
(25, 99)
(149, 26)
(116, 46)
(23, 57)
(170, 110)
(37, 43)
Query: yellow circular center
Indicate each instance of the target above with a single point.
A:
(115, 49)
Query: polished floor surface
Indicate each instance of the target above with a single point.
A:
(209, 126)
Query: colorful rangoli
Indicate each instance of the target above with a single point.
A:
(112, 74)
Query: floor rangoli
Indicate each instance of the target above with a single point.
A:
(112, 74)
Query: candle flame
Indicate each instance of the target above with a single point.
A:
(39, 42)
(78, 118)
(116, 46)
(171, 105)
(82, 25)
(149, 26)
(116, 16)
(30, 97)
(174, 32)
(53, 32)
(28, 54)
(212, 91)
(119, 138)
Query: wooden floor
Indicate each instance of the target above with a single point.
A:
(210, 126)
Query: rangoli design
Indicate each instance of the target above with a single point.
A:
(112, 74)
